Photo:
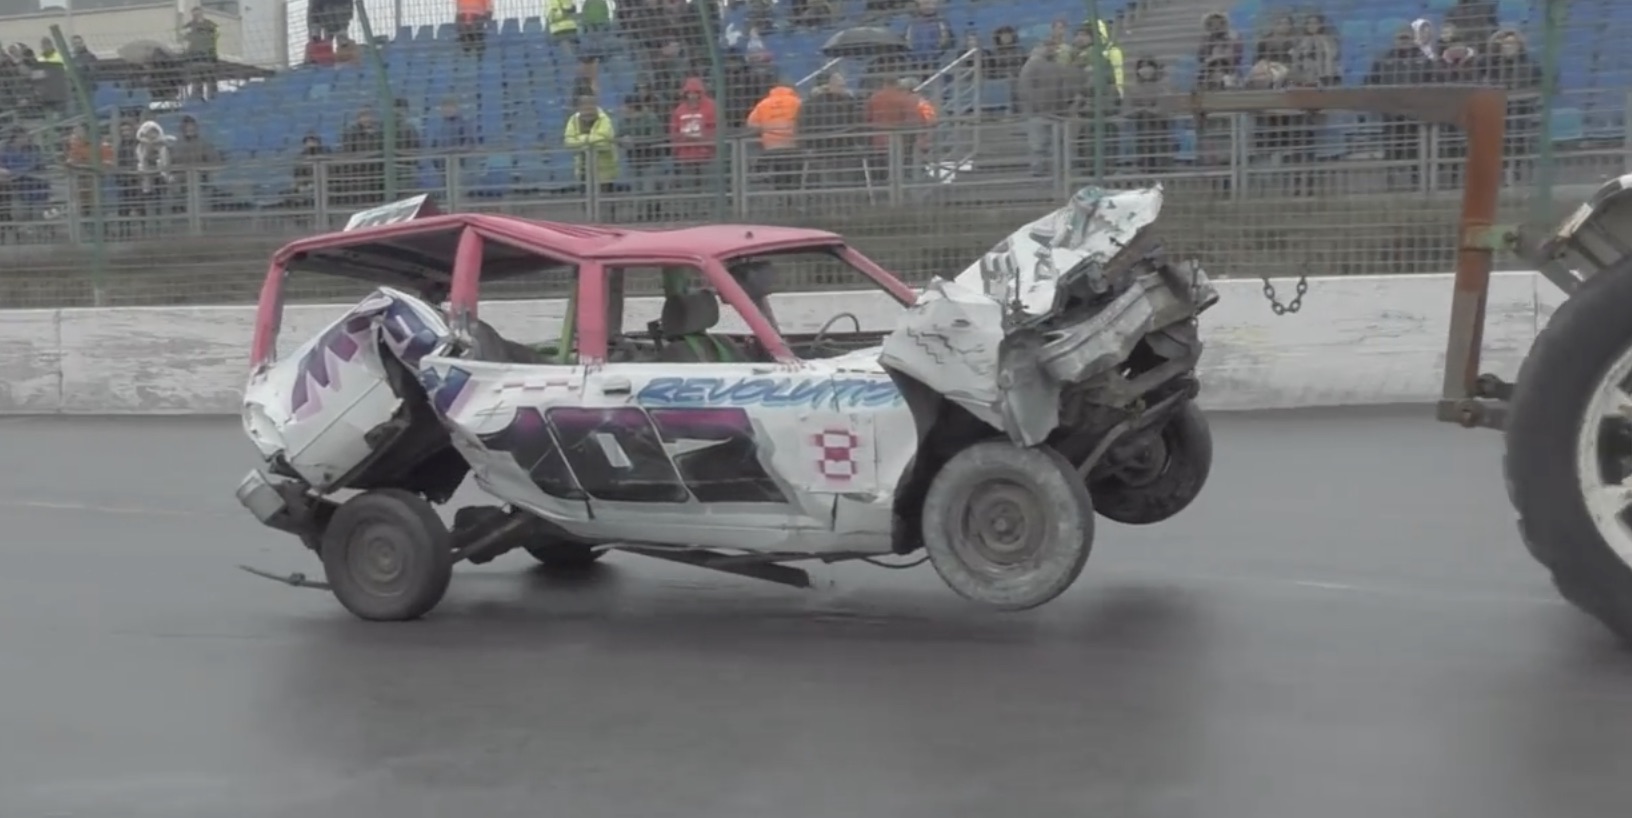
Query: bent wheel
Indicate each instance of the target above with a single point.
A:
(562, 554)
(1007, 526)
(387, 555)
(1162, 475)
(1569, 449)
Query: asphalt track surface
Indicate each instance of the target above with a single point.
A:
(1344, 625)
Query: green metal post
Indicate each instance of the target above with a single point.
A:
(716, 70)
(388, 103)
(93, 131)
(1541, 199)
(1101, 62)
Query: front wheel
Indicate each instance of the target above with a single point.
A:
(387, 555)
(1569, 448)
(1159, 473)
(1007, 526)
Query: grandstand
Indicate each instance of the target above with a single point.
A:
(978, 159)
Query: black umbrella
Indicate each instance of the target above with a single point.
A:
(866, 41)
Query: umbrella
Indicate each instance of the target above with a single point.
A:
(143, 51)
(866, 41)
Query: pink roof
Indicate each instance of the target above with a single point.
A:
(582, 241)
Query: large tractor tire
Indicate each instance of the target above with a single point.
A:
(1569, 449)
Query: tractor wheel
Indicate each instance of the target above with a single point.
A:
(388, 556)
(1159, 473)
(1007, 526)
(1569, 448)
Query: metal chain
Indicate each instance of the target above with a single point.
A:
(1297, 298)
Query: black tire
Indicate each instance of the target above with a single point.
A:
(411, 568)
(1185, 460)
(1582, 340)
(1035, 489)
(562, 554)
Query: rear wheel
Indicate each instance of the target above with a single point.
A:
(1569, 449)
(1007, 526)
(387, 555)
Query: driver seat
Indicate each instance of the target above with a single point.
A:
(684, 326)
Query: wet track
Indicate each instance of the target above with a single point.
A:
(1345, 625)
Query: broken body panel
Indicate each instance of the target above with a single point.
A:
(778, 455)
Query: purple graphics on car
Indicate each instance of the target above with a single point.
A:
(406, 334)
(629, 454)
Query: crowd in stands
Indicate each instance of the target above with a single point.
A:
(661, 134)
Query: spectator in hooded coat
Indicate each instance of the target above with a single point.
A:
(590, 132)
(929, 36)
(776, 119)
(1406, 63)
(1316, 55)
(692, 132)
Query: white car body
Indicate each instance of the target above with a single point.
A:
(760, 457)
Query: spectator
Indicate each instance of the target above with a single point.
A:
(361, 179)
(409, 126)
(1154, 145)
(666, 70)
(1422, 34)
(594, 40)
(644, 141)
(312, 151)
(319, 52)
(1472, 21)
(153, 163)
(201, 39)
(590, 133)
(328, 19)
(813, 13)
(471, 18)
(929, 36)
(1218, 59)
(1007, 56)
(561, 20)
(20, 187)
(983, 57)
(193, 151)
(346, 52)
(83, 58)
(79, 158)
(1509, 65)
(452, 132)
(1407, 63)
(48, 53)
(692, 126)
(892, 109)
(1316, 55)
(828, 123)
(14, 84)
(776, 120)
(761, 15)
(1457, 61)
(1276, 45)
(1047, 91)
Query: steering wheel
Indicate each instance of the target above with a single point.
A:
(817, 342)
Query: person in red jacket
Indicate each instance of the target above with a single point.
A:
(691, 129)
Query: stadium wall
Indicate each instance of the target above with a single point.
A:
(1357, 341)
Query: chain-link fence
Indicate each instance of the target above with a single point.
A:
(922, 130)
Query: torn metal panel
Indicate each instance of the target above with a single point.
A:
(1063, 300)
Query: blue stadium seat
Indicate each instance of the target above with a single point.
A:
(1567, 125)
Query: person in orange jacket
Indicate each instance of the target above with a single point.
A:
(894, 107)
(775, 119)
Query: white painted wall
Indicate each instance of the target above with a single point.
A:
(1358, 340)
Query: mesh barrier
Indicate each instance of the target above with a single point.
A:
(923, 131)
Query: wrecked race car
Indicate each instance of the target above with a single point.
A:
(1052, 378)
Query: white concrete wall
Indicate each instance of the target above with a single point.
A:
(1358, 340)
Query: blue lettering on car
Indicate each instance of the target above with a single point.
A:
(771, 393)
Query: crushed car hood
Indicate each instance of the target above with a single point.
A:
(1062, 300)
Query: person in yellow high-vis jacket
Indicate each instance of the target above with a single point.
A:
(561, 21)
(590, 133)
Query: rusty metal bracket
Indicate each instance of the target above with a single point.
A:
(1481, 113)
